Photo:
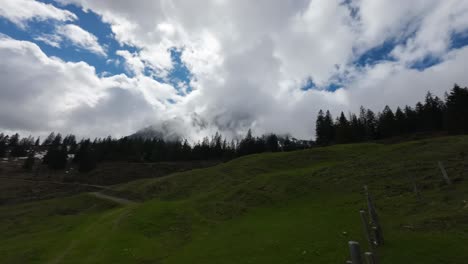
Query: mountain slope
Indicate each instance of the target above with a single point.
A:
(297, 207)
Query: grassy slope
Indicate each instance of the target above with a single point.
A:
(298, 207)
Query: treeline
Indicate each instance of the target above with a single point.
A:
(433, 115)
(86, 154)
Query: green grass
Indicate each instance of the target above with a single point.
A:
(297, 207)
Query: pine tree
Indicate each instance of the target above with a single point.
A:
(70, 142)
(48, 141)
(18, 147)
(456, 116)
(371, 125)
(419, 110)
(387, 123)
(411, 121)
(329, 129)
(57, 140)
(86, 156)
(432, 113)
(3, 145)
(14, 140)
(272, 143)
(29, 161)
(400, 122)
(56, 157)
(364, 122)
(358, 131)
(247, 145)
(343, 130)
(320, 130)
(287, 144)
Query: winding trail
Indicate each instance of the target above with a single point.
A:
(125, 211)
(121, 201)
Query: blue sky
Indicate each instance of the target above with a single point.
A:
(93, 23)
(89, 21)
(264, 66)
(111, 64)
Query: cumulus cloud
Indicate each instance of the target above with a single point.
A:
(49, 94)
(50, 39)
(75, 36)
(249, 59)
(22, 11)
(80, 38)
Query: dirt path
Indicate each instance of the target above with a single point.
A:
(118, 200)
(59, 258)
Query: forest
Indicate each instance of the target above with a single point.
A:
(87, 153)
(432, 116)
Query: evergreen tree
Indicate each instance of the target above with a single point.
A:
(365, 122)
(86, 156)
(3, 145)
(411, 120)
(320, 130)
(247, 145)
(14, 140)
(272, 143)
(387, 123)
(48, 141)
(18, 147)
(456, 116)
(343, 130)
(57, 155)
(57, 140)
(358, 131)
(186, 150)
(432, 113)
(419, 110)
(329, 129)
(70, 142)
(56, 158)
(400, 122)
(287, 144)
(29, 161)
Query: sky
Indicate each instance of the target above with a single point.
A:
(113, 67)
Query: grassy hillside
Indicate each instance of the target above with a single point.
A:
(18, 185)
(297, 207)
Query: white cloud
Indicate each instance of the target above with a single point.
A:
(435, 32)
(133, 63)
(249, 59)
(81, 38)
(77, 37)
(50, 39)
(41, 94)
(22, 11)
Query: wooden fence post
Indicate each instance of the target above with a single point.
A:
(369, 237)
(415, 187)
(444, 173)
(365, 226)
(374, 219)
(355, 252)
(370, 259)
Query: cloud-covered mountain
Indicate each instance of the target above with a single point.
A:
(153, 132)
